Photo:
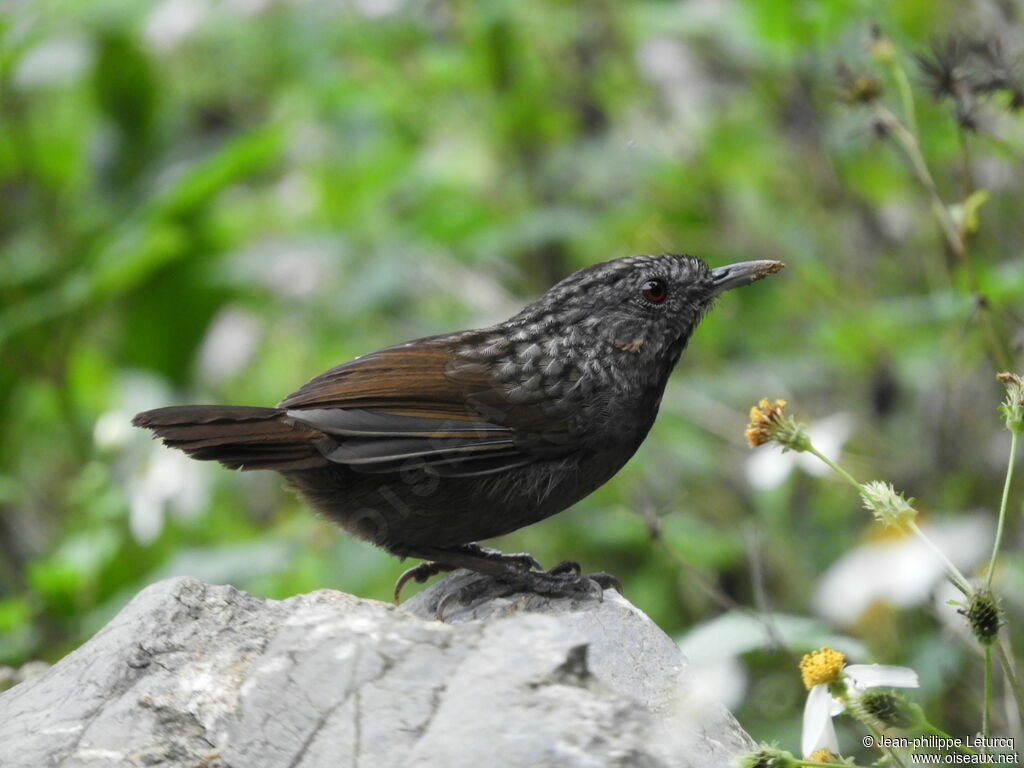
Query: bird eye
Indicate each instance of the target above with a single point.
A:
(655, 291)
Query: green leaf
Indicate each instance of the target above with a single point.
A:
(965, 214)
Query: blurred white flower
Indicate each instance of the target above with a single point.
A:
(291, 267)
(172, 21)
(169, 482)
(768, 466)
(53, 62)
(112, 430)
(899, 570)
(247, 7)
(135, 392)
(228, 344)
(295, 195)
(680, 77)
(375, 9)
(156, 480)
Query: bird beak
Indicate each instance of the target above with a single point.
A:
(743, 273)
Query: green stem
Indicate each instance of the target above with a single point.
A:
(1011, 676)
(834, 467)
(920, 168)
(966, 180)
(959, 580)
(893, 756)
(952, 233)
(826, 765)
(936, 731)
(906, 94)
(986, 703)
(1002, 509)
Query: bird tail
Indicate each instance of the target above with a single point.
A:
(239, 437)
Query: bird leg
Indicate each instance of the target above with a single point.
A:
(522, 560)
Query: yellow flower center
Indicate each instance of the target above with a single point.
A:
(822, 756)
(821, 667)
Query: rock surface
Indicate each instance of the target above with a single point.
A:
(193, 675)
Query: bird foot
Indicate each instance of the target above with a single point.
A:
(495, 560)
(522, 560)
(502, 574)
(564, 580)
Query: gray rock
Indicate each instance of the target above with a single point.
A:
(192, 675)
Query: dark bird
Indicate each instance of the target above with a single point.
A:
(427, 447)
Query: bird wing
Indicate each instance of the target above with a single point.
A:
(422, 404)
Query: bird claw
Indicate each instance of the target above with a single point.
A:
(605, 581)
(419, 573)
(595, 583)
(566, 566)
(524, 560)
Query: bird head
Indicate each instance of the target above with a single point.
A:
(644, 305)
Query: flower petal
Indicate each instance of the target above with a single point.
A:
(768, 467)
(881, 675)
(818, 731)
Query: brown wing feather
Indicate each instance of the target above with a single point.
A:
(413, 379)
(422, 393)
(240, 437)
(418, 402)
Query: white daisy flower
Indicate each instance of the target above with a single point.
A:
(831, 685)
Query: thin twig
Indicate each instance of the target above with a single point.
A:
(1002, 509)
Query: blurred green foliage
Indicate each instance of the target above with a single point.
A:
(214, 201)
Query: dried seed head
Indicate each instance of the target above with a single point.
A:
(983, 615)
(966, 69)
(857, 88)
(1012, 407)
(944, 68)
(998, 71)
(885, 709)
(890, 508)
(769, 424)
(767, 756)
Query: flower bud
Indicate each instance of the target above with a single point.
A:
(767, 756)
(1013, 406)
(885, 709)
